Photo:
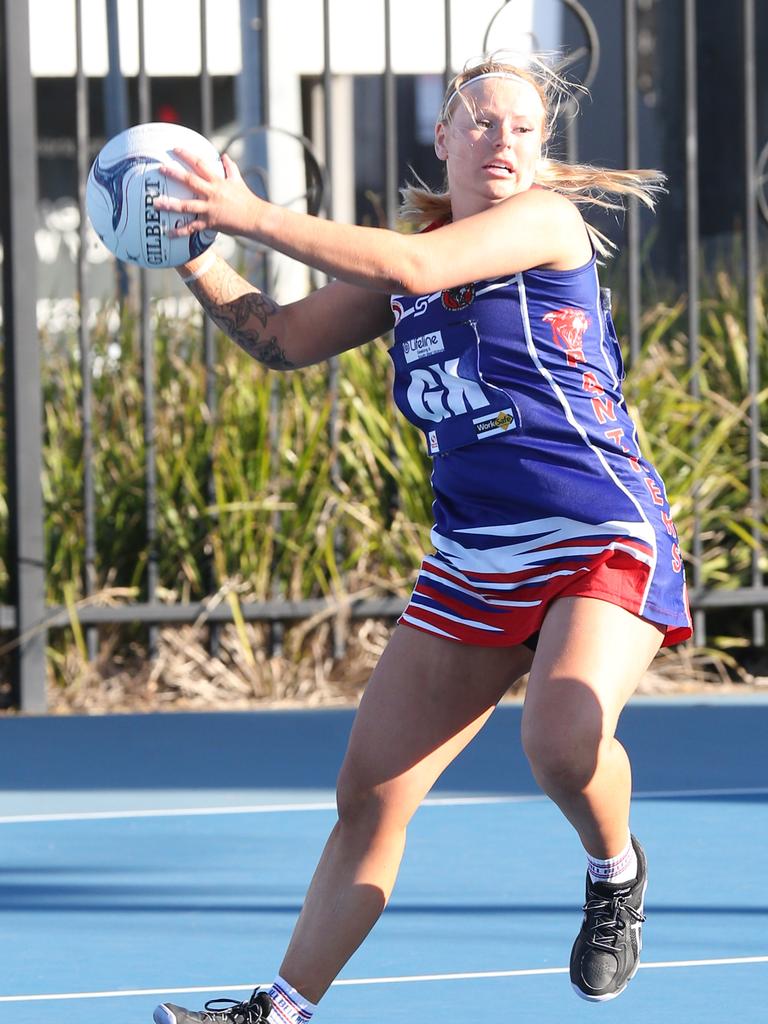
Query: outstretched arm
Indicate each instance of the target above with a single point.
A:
(323, 324)
(536, 228)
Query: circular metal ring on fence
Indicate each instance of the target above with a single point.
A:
(316, 194)
(592, 48)
(761, 179)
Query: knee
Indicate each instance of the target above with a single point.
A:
(358, 806)
(562, 756)
(363, 807)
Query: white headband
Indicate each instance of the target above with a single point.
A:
(491, 74)
(479, 78)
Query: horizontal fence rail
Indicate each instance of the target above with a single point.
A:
(390, 608)
(652, 55)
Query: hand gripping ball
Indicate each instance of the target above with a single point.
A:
(123, 183)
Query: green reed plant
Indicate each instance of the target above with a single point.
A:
(277, 488)
(701, 444)
(263, 487)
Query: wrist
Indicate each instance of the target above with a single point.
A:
(194, 269)
(263, 219)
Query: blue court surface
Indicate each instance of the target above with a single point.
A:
(159, 857)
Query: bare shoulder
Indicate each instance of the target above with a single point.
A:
(557, 215)
(545, 201)
(535, 228)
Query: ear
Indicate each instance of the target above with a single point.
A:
(546, 132)
(441, 151)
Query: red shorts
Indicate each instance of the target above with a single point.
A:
(500, 610)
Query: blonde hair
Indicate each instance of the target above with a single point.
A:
(583, 184)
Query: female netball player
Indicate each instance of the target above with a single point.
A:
(554, 550)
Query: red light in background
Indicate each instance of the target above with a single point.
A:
(168, 113)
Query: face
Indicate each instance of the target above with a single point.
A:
(491, 142)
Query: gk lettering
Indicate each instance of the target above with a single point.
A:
(437, 392)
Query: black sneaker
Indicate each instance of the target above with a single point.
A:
(217, 1011)
(606, 953)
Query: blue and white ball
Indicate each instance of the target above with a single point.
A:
(123, 184)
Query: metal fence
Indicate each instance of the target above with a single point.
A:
(630, 40)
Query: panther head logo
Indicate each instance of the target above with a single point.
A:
(568, 327)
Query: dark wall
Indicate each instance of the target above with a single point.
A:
(600, 127)
(171, 99)
(661, 98)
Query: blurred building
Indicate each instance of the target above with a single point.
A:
(661, 116)
(266, 61)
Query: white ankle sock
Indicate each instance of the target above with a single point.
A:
(618, 869)
(288, 1005)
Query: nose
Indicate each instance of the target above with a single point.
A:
(503, 134)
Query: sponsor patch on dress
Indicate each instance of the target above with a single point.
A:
(496, 423)
(434, 447)
(423, 346)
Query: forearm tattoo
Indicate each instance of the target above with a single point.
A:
(243, 317)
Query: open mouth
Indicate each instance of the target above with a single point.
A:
(504, 168)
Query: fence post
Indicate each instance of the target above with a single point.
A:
(23, 405)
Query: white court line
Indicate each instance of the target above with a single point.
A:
(328, 805)
(396, 980)
(677, 794)
(177, 812)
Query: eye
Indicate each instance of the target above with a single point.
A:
(482, 122)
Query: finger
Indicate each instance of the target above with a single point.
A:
(192, 181)
(197, 163)
(230, 167)
(184, 230)
(177, 205)
(167, 203)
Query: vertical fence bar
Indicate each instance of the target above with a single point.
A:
(448, 42)
(209, 349)
(631, 156)
(392, 493)
(327, 104)
(276, 630)
(115, 93)
(89, 503)
(334, 421)
(23, 404)
(270, 259)
(571, 133)
(148, 370)
(115, 112)
(390, 122)
(251, 85)
(692, 258)
(206, 127)
(751, 275)
(206, 89)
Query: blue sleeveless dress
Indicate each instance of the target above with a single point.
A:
(540, 487)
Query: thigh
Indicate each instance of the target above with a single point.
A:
(426, 699)
(589, 661)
